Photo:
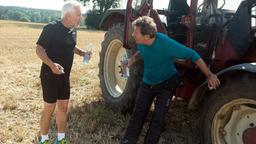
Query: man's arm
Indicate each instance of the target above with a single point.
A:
(56, 68)
(79, 51)
(213, 81)
(135, 57)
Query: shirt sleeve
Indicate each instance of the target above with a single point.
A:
(44, 39)
(177, 50)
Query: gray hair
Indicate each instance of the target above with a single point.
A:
(69, 6)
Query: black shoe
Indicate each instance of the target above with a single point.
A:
(124, 141)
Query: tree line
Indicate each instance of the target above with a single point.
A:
(92, 17)
(28, 14)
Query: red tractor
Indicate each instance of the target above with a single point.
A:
(223, 32)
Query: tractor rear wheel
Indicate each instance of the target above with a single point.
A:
(229, 115)
(118, 92)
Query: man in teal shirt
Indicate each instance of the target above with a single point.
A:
(158, 58)
(159, 78)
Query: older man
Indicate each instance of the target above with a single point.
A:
(56, 47)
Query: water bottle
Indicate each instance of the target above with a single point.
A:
(125, 68)
(89, 48)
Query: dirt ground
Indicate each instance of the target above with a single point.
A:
(89, 121)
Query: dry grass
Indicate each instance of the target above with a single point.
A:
(89, 121)
(21, 95)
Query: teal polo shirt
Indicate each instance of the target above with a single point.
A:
(158, 58)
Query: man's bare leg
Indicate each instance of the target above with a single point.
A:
(61, 115)
(46, 117)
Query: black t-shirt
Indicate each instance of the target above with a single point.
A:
(58, 42)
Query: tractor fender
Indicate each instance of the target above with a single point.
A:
(199, 93)
(112, 16)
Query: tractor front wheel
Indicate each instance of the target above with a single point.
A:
(118, 92)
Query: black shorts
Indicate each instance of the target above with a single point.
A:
(55, 89)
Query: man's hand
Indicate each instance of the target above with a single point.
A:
(213, 81)
(57, 69)
(82, 52)
(88, 54)
(124, 62)
(128, 62)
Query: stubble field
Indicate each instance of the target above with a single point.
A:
(89, 121)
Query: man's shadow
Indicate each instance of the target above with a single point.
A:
(95, 123)
(92, 123)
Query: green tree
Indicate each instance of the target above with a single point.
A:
(24, 19)
(101, 6)
(28, 14)
(93, 19)
(3, 14)
(36, 17)
(15, 15)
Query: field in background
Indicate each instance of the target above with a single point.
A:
(89, 121)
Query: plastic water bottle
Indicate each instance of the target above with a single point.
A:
(125, 68)
(89, 48)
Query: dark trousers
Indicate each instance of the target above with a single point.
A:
(145, 98)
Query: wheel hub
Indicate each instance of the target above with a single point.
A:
(249, 136)
(242, 118)
(232, 120)
(114, 81)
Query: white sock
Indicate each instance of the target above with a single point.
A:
(61, 136)
(44, 138)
